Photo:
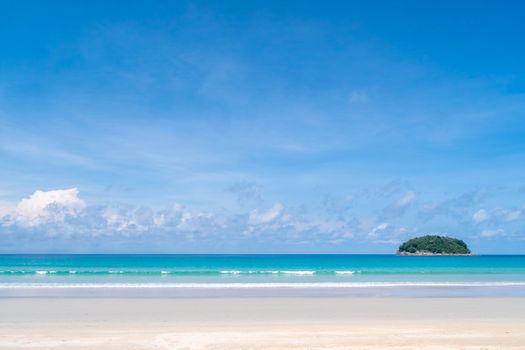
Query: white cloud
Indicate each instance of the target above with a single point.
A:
(258, 217)
(378, 229)
(45, 206)
(492, 233)
(497, 215)
(406, 200)
(509, 215)
(127, 218)
(399, 207)
(63, 212)
(480, 216)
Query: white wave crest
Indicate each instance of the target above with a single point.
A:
(231, 272)
(300, 273)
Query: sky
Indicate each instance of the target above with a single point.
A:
(261, 126)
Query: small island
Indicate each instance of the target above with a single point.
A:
(434, 245)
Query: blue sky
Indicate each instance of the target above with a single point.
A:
(261, 126)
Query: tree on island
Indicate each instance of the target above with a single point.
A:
(434, 245)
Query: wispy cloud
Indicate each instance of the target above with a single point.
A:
(247, 192)
(258, 217)
(399, 207)
(500, 215)
(455, 206)
(492, 233)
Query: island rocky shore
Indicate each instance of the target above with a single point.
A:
(427, 253)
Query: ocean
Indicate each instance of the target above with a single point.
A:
(261, 275)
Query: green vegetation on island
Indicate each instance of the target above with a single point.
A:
(434, 245)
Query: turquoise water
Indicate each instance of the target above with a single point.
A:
(190, 272)
(258, 268)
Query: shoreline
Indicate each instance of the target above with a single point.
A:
(426, 253)
(274, 323)
(318, 290)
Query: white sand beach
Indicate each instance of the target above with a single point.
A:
(271, 323)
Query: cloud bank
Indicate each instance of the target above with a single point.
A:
(48, 206)
(62, 214)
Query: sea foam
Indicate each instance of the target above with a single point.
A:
(320, 285)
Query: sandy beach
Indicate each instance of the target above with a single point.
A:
(271, 323)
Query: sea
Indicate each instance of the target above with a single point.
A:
(201, 276)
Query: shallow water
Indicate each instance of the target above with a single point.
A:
(260, 275)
